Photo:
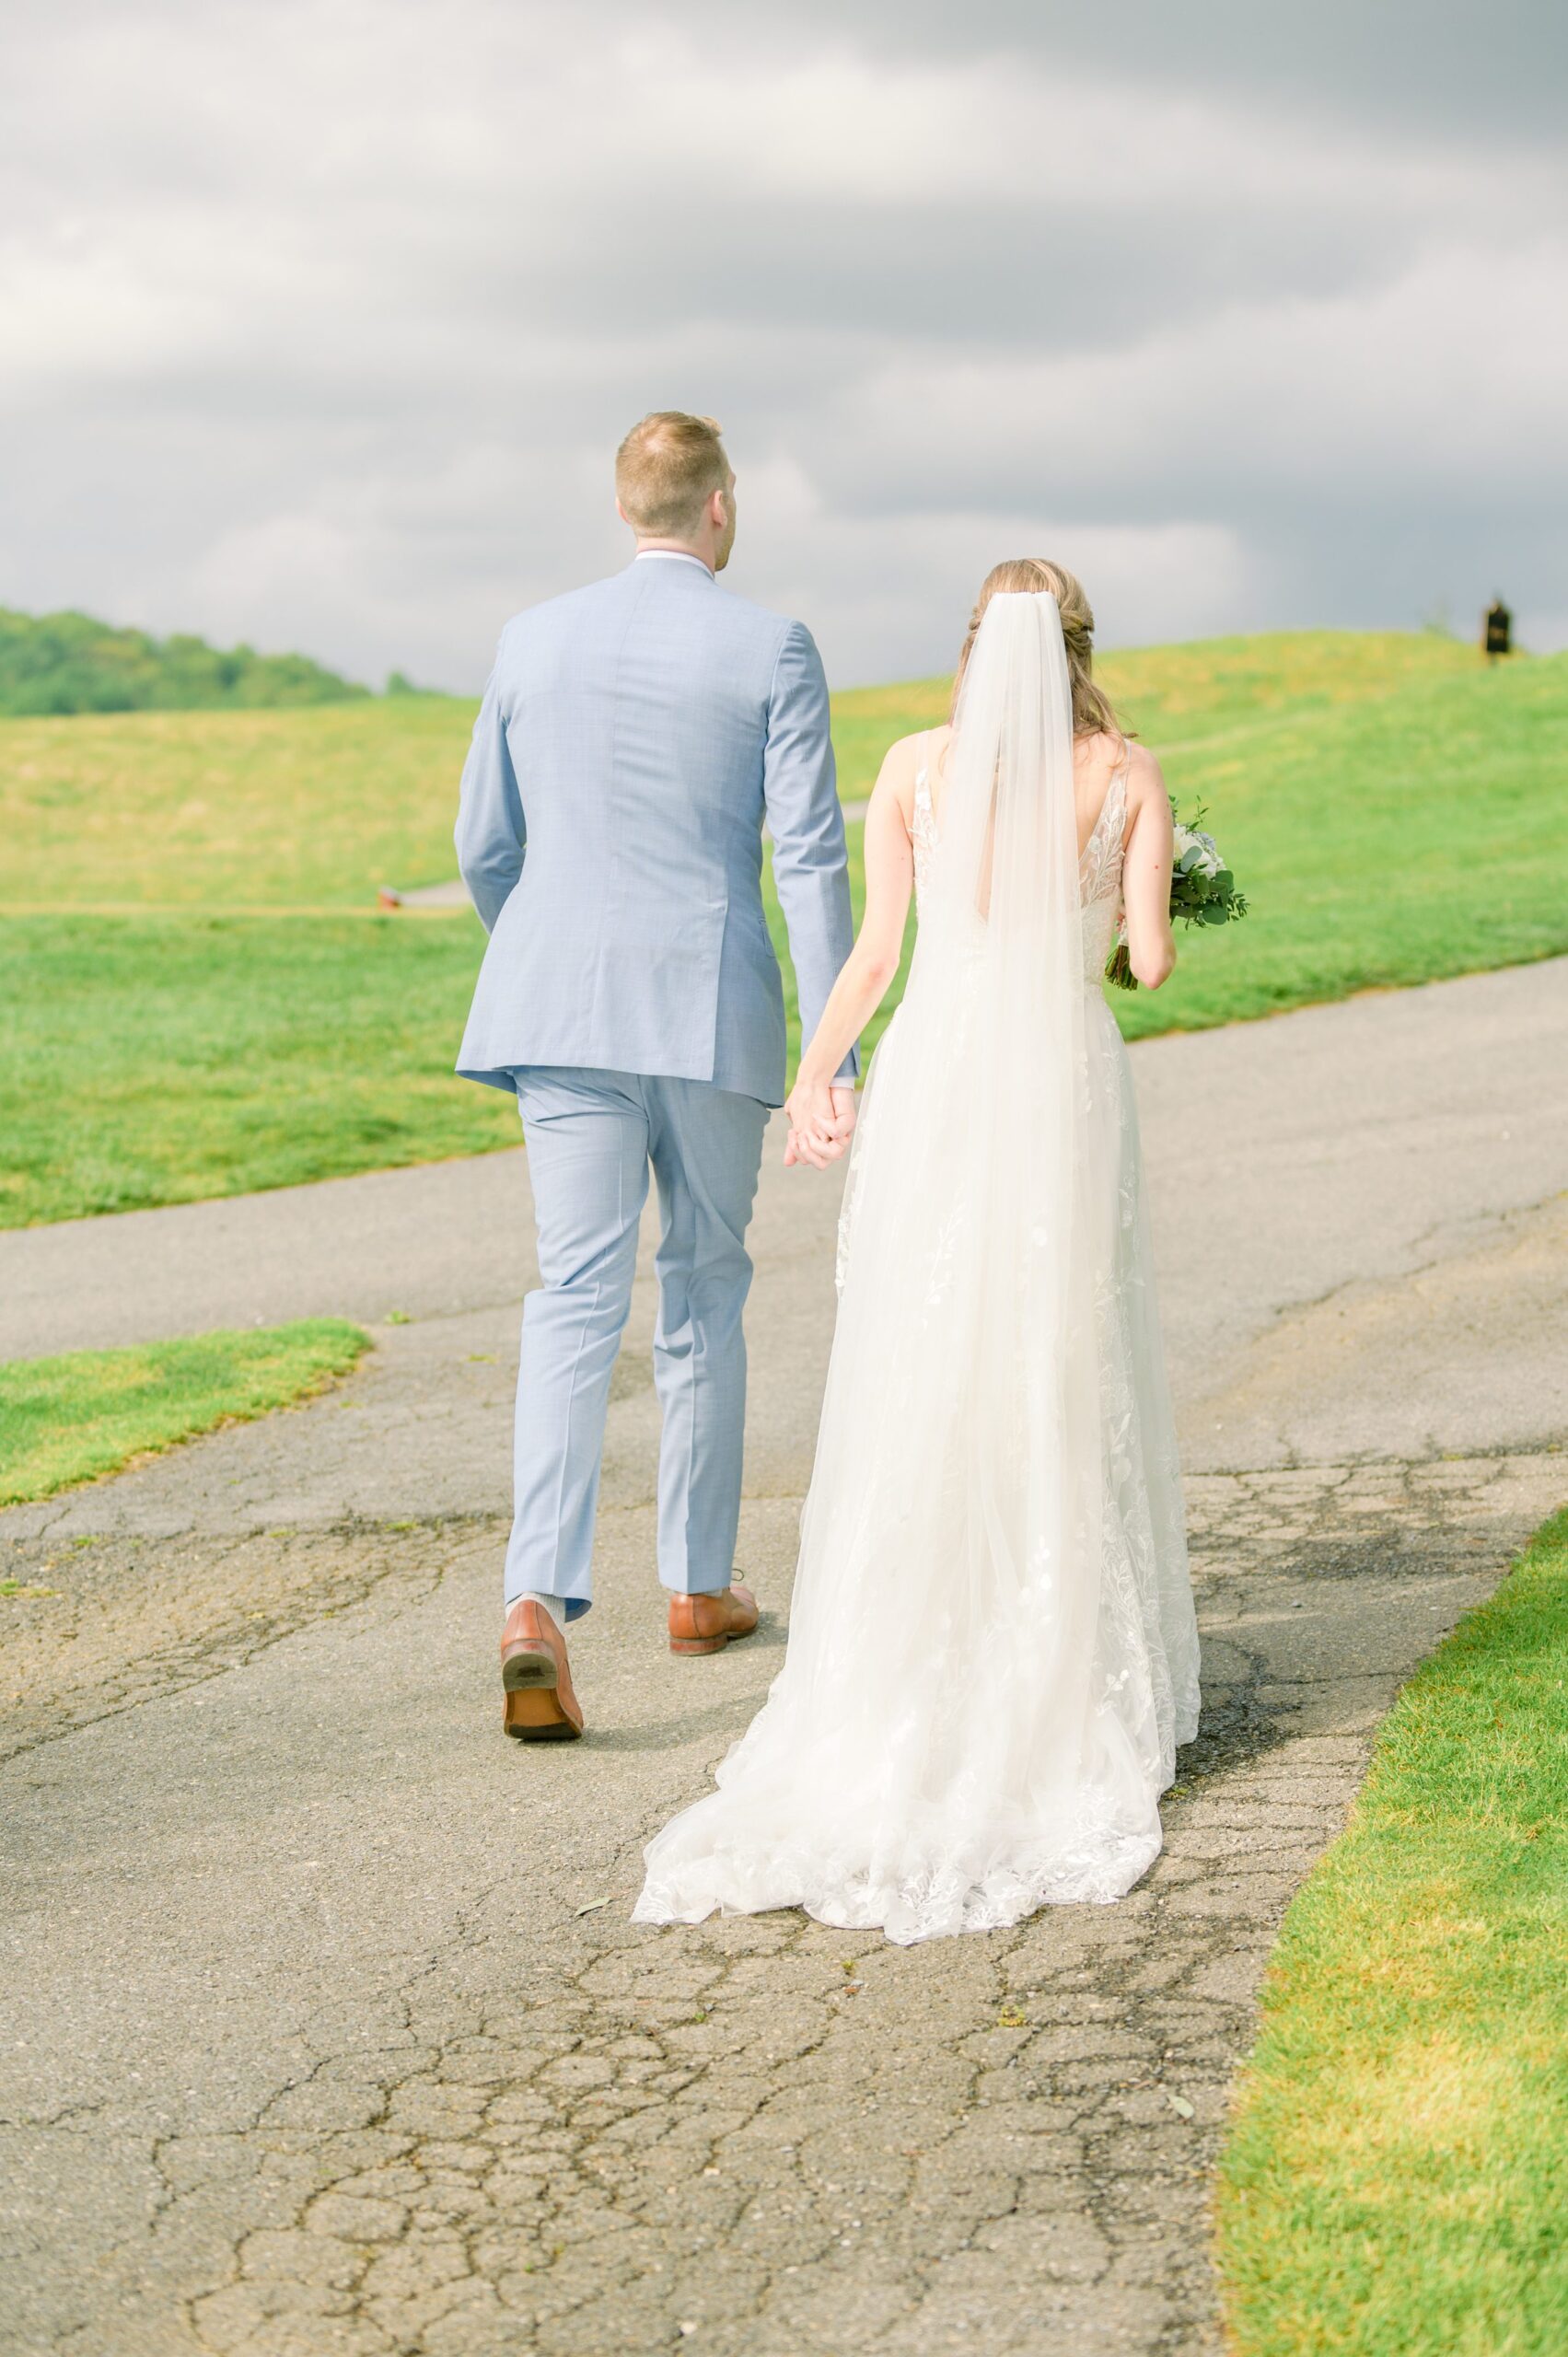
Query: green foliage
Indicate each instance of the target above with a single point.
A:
(1397, 2176)
(1201, 891)
(86, 1413)
(69, 663)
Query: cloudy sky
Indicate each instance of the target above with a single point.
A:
(320, 319)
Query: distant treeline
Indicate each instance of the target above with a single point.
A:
(57, 663)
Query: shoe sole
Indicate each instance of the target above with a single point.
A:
(709, 1644)
(532, 1711)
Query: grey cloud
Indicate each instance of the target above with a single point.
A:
(1492, 74)
(333, 317)
(947, 272)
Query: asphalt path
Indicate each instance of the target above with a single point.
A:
(1291, 1163)
(326, 2027)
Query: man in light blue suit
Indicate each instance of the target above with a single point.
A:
(633, 738)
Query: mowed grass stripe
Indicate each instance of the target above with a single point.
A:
(85, 1413)
(1396, 2180)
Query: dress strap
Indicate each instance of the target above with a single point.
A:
(1116, 795)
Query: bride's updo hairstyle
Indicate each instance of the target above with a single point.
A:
(1091, 707)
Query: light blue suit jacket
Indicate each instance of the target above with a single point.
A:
(633, 738)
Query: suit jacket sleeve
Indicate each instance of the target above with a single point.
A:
(492, 835)
(811, 865)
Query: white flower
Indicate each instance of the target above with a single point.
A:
(1196, 852)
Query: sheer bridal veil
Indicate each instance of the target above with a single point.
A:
(964, 1726)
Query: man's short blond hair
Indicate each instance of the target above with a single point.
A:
(666, 470)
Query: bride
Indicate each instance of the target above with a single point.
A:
(993, 1654)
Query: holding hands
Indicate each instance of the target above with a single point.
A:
(821, 1121)
(821, 1104)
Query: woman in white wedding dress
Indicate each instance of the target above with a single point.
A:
(992, 1654)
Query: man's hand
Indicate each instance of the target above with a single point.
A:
(844, 1114)
(821, 1122)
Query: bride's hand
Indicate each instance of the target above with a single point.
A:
(816, 1134)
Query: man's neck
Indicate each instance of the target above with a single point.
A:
(675, 547)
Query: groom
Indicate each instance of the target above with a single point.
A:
(633, 740)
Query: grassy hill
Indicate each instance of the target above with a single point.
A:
(315, 809)
(217, 810)
(1395, 808)
(70, 663)
(1176, 696)
(203, 1001)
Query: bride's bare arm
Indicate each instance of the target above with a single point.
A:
(1146, 874)
(869, 967)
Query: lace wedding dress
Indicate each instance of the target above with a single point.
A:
(992, 1654)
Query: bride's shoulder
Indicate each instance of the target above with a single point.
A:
(1148, 799)
(905, 759)
(916, 752)
(1145, 775)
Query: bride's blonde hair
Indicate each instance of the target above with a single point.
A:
(1091, 707)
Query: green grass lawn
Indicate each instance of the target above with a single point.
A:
(163, 1060)
(1393, 820)
(1396, 2182)
(200, 1002)
(230, 809)
(71, 1419)
(1176, 695)
(1390, 841)
(317, 809)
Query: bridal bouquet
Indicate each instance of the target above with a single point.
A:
(1202, 892)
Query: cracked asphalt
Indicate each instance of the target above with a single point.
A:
(325, 2027)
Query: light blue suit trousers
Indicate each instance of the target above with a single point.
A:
(591, 1136)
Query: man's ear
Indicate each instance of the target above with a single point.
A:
(621, 512)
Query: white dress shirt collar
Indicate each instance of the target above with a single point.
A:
(676, 556)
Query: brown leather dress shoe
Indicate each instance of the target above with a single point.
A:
(705, 1624)
(536, 1679)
